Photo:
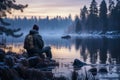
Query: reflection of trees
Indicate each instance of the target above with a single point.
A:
(77, 43)
(103, 45)
(80, 43)
(57, 42)
(83, 53)
(114, 48)
(103, 50)
(92, 45)
(86, 43)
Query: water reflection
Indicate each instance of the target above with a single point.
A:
(94, 50)
(91, 50)
(100, 50)
(107, 49)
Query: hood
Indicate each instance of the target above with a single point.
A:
(33, 32)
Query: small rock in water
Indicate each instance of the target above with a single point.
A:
(66, 37)
(103, 70)
(93, 71)
(78, 63)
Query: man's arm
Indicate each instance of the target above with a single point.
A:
(40, 42)
(25, 42)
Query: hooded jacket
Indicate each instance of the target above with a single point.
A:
(33, 40)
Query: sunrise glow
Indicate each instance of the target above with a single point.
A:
(51, 8)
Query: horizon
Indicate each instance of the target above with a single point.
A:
(43, 8)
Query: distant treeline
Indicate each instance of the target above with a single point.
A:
(57, 23)
(93, 19)
(102, 19)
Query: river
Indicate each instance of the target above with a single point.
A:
(91, 50)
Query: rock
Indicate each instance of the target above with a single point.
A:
(16, 67)
(2, 55)
(33, 61)
(21, 70)
(93, 71)
(24, 62)
(66, 37)
(2, 51)
(78, 64)
(2, 63)
(103, 70)
(6, 73)
(9, 60)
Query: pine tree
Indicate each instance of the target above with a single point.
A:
(83, 16)
(6, 6)
(114, 16)
(77, 24)
(111, 13)
(103, 16)
(93, 7)
(92, 21)
(117, 15)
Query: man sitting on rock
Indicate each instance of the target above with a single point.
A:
(34, 44)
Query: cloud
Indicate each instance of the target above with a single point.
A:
(54, 7)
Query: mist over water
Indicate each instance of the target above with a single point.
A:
(90, 49)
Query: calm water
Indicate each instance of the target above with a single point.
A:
(92, 50)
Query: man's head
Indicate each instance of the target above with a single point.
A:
(35, 27)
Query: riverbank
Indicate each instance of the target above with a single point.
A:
(20, 67)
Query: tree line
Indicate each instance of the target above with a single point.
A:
(102, 19)
(57, 23)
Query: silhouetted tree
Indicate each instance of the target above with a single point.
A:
(83, 16)
(111, 5)
(111, 15)
(117, 15)
(92, 21)
(114, 16)
(6, 6)
(77, 25)
(103, 16)
(93, 7)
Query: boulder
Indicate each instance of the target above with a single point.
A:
(78, 64)
(93, 71)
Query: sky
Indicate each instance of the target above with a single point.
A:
(52, 8)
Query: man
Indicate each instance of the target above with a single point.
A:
(34, 44)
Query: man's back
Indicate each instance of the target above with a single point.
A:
(34, 44)
(33, 41)
(28, 44)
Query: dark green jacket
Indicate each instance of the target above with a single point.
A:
(33, 41)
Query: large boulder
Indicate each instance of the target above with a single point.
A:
(33, 61)
(9, 60)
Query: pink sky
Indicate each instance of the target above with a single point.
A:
(52, 8)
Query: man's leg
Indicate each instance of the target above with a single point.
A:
(32, 52)
(47, 51)
(29, 53)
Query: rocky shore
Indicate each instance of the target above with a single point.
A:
(20, 67)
